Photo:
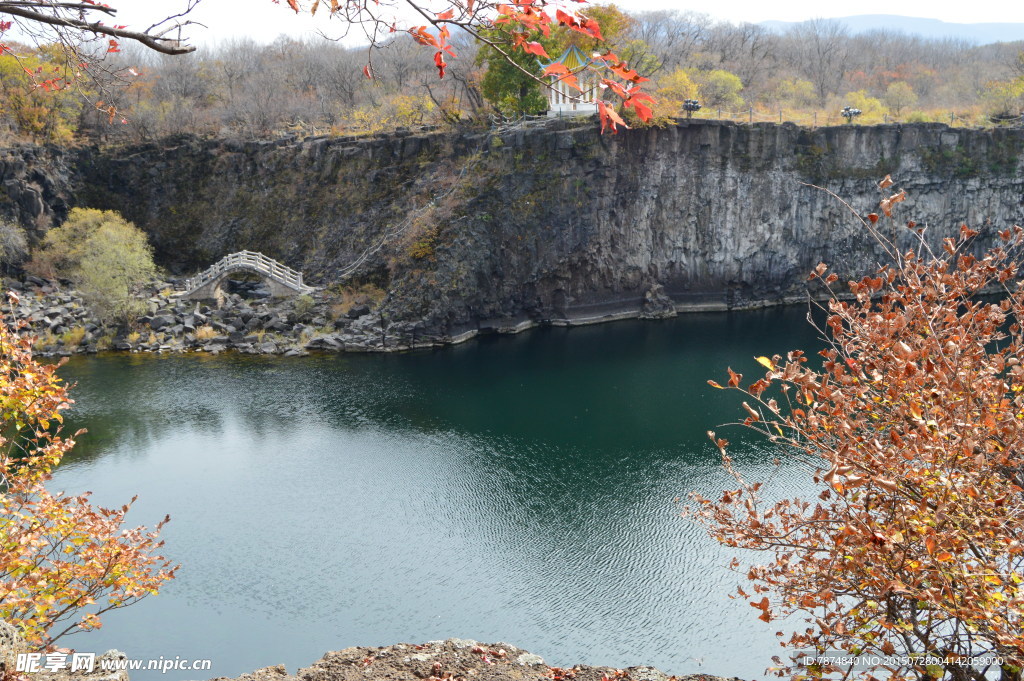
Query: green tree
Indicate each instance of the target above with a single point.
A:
(899, 96)
(1004, 98)
(672, 90)
(796, 93)
(719, 89)
(872, 109)
(511, 91)
(507, 88)
(614, 23)
(104, 255)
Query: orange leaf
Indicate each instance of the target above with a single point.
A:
(555, 69)
(611, 119)
(565, 19)
(535, 48)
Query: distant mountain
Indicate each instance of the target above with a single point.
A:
(980, 34)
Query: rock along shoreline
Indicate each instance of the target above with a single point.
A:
(254, 323)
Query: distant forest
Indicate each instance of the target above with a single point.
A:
(746, 72)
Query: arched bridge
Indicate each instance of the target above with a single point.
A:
(281, 280)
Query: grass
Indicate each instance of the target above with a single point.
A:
(44, 340)
(206, 332)
(350, 296)
(73, 337)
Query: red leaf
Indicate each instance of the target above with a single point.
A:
(294, 5)
(367, 72)
(441, 63)
(423, 37)
(446, 15)
(642, 110)
(555, 69)
(591, 28)
(609, 118)
(565, 19)
(535, 48)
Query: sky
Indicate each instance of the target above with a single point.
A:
(263, 21)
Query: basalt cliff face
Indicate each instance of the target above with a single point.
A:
(555, 222)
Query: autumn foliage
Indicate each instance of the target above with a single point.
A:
(509, 27)
(910, 428)
(63, 561)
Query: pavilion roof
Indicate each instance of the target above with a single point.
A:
(573, 59)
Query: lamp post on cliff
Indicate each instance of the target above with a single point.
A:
(691, 106)
(849, 113)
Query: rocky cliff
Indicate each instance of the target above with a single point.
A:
(555, 222)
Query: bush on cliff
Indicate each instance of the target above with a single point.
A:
(910, 430)
(63, 561)
(104, 255)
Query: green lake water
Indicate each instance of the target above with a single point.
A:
(516, 489)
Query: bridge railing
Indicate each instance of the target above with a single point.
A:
(251, 260)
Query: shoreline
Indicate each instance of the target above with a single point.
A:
(64, 327)
(453, 659)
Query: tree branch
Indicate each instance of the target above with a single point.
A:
(154, 42)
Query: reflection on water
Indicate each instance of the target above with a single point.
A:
(517, 489)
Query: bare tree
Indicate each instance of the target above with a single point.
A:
(674, 36)
(820, 48)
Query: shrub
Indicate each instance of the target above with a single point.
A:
(206, 332)
(13, 246)
(105, 256)
(63, 561)
(73, 337)
(910, 430)
(303, 304)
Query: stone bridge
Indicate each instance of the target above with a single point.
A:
(281, 280)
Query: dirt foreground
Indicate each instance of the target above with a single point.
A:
(452, 660)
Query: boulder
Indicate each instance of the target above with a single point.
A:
(160, 321)
(656, 304)
(358, 311)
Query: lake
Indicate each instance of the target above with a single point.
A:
(518, 489)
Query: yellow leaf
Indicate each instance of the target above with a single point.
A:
(766, 363)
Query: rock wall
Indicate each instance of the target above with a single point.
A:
(555, 222)
(37, 187)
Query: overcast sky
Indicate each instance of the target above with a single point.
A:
(263, 20)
